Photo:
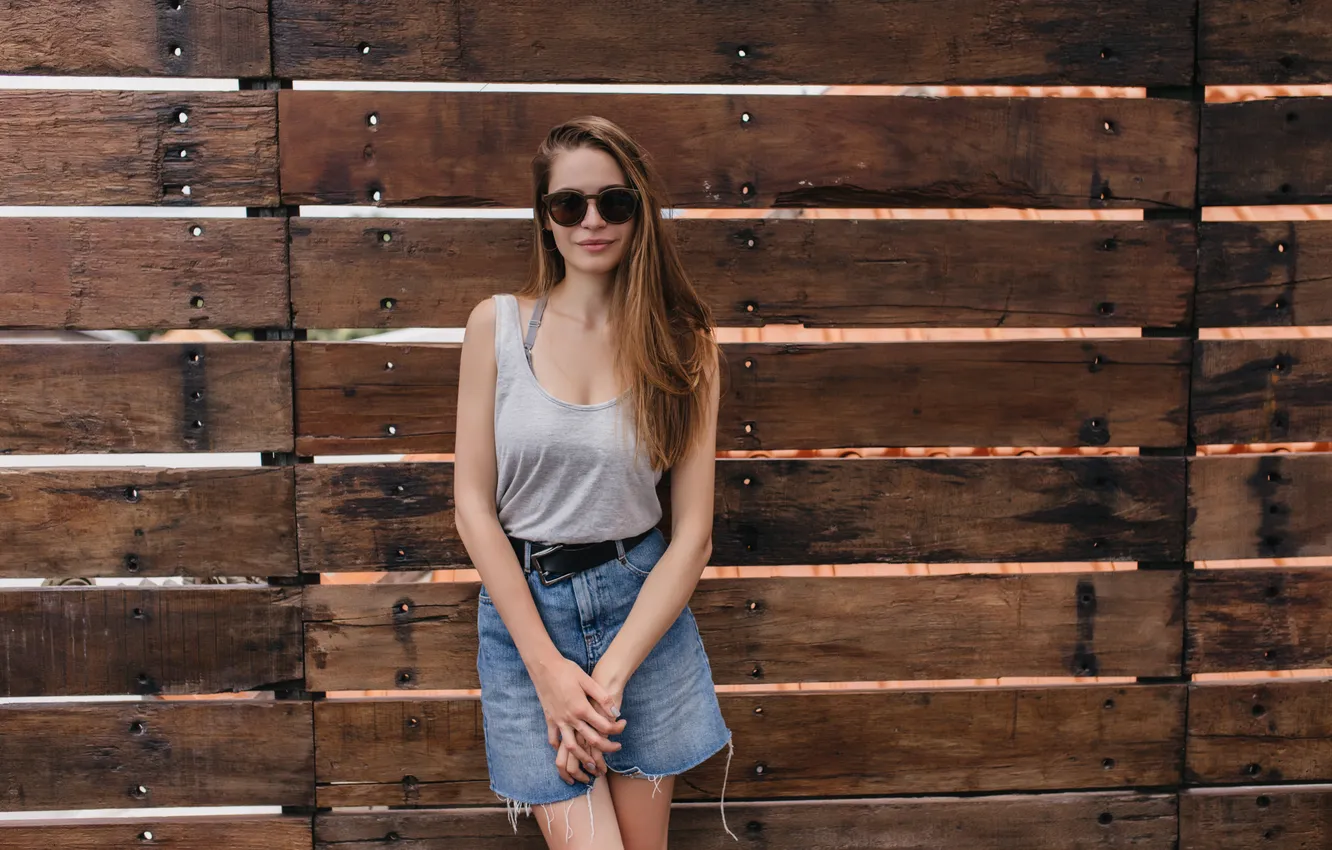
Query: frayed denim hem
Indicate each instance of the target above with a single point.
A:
(514, 808)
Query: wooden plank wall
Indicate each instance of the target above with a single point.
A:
(1108, 725)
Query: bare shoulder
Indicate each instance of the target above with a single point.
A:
(481, 322)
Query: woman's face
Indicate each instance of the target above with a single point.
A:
(589, 170)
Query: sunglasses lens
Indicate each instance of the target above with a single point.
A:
(617, 205)
(567, 208)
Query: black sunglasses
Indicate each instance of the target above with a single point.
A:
(568, 206)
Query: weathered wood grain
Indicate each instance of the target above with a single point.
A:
(122, 38)
(1270, 731)
(399, 516)
(147, 522)
(130, 147)
(1258, 619)
(795, 629)
(1264, 42)
(431, 752)
(1270, 151)
(74, 641)
(1126, 43)
(1261, 390)
(1241, 819)
(999, 822)
(871, 273)
(134, 397)
(92, 273)
(234, 832)
(890, 151)
(1259, 506)
(1264, 273)
(152, 754)
(1124, 392)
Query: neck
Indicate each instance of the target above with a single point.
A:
(581, 297)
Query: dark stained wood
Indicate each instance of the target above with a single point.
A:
(92, 273)
(1046, 392)
(795, 629)
(1241, 819)
(998, 822)
(215, 753)
(1264, 273)
(1269, 731)
(871, 273)
(148, 640)
(1122, 392)
(215, 38)
(1264, 42)
(1259, 619)
(1259, 506)
(199, 522)
(399, 516)
(1271, 151)
(124, 147)
(431, 752)
(1261, 390)
(133, 397)
(890, 151)
(1127, 43)
(234, 832)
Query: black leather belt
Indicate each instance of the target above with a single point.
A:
(555, 562)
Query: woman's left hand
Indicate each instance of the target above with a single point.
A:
(614, 687)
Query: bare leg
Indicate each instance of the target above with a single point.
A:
(643, 809)
(583, 823)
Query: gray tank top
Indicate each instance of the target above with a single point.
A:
(568, 473)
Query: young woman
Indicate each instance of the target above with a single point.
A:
(590, 660)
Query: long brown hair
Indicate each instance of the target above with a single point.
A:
(664, 330)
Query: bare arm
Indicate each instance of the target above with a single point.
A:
(474, 482)
(672, 580)
(572, 722)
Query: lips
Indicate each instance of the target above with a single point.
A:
(592, 243)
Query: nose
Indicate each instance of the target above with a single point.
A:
(592, 218)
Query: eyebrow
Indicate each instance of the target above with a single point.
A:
(602, 189)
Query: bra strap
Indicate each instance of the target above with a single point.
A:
(532, 325)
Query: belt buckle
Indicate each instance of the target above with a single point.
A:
(541, 571)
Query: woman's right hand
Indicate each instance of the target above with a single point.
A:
(576, 704)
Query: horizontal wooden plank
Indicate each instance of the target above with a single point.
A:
(871, 273)
(124, 38)
(234, 832)
(398, 516)
(891, 151)
(148, 522)
(59, 147)
(431, 752)
(1264, 42)
(91, 273)
(159, 397)
(1259, 619)
(795, 629)
(998, 822)
(1272, 731)
(1123, 392)
(1241, 819)
(73, 641)
(1259, 506)
(1264, 273)
(153, 754)
(1130, 43)
(1271, 151)
(1261, 390)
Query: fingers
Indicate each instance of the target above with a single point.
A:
(552, 734)
(569, 742)
(594, 739)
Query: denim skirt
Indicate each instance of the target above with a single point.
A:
(674, 721)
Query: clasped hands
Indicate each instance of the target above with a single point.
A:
(581, 711)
